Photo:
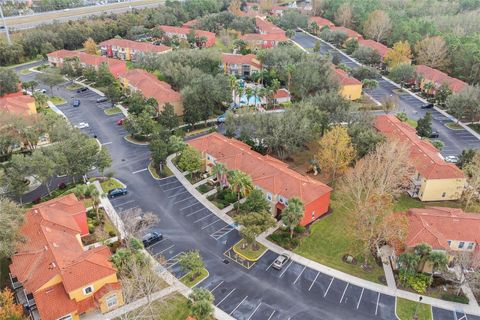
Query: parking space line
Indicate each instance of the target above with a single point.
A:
(218, 285)
(166, 184)
(270, 265)
(183, 200)
(198, 220)
(313, 282)
(281, 275)
(325, 294)
(192, 213)
(343, 294)
(304, 267)
(224, 234)
(123, 203)
(205, 227)
(180, 186)
(165, 250)
(226, 296)
(238, 305)
(177, 194)
(360, 299)
(272, 314)
(254, 311)
(157, 243)
(378, 299)
(105, 143)
(138, 171)
(188, 206)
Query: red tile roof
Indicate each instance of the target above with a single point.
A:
(52, 248)
(190, 24)
(267, 27)
(381, 49)
(345, 79)
(282, 93)
(16, 103)
(439, 77)
(185, 31)
(424, 156)
(436, 225)
(149, 85)
(321, 22)
(250, 59)
(115, 66)
(266, 172)
(135, 45)
(53, 303)
(350, 33)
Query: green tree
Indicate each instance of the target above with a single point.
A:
(403, 73)
(293, 214)
(51, 78)
(137, 104)
(140, 126)
(424, 125)
(8, 81)
(364, 138)
(367, 55)
(256, 202)
(191, 263)
(168, 118)
(43, 166)
(408, 262)
(200, 303)
(240, 183)
(438, 260)
(361, 73)
(190, 160)
(96, 197)
(220, 172)
(317, 46)
(252, 224)
(159, 152)
(351, 46)
(11, 220)
(176, 144)
(30, 85)
(466, 157)
(465, 103)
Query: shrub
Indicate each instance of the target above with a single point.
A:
(299, 229)
(230, 197)
(136, 244)
(96, 223)
(402, 116)
(91, 228)
(112, 233)
(283, 239)
(454, 298)
(419, 282)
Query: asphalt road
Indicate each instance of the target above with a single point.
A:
(295, 292)
(455, 140)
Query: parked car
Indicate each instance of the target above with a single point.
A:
(151, 238)
(281, 261)
(81, 125)
(102, 99)
(76, 103)
(427, 106)
(434, 135)
(82, 89)
(451, 159)
(41, 90)
(117, 192)
(120, 122)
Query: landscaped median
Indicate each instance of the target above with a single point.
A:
(110, 184)
(190, 281)
(57, 100)
(111, 111)
(166, 172)
(407, 309)
(246, 251)
(131, 139)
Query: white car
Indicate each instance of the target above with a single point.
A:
(41, 90)
(81, 125)
(451, 159)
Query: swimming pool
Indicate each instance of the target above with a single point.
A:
(253, 100)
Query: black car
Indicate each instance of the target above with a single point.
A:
(102, 99)
(82, 89)
(434, 135)
(151, 238)
(427, 106)
(117, 192)
(76, 103)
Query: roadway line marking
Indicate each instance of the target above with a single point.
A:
(226, 296)
(198, 220)
(175, 256)
(188, 206)
(270, 265)
(166, 184)
(218, 285)
(183, 200)
(173, 188)
(138, 171)
(343, 294)
(272, 314)
(177, 194)
(254, 311)
(224, 233)
(313, 282)
(281, 275)
(378, 299)
(105, 143)
(205, 227)
(192, 213)
(361, 295)
(325, 294)
(304, 267)
(165, 249)
(238, 305)
(124, 203)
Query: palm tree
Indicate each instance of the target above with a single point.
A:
(248, 94)
(96, 196)
(220, 171)
(293, 214)
(233, 85)
(240, 183)
(409, 262)
(263, 92)
(438, 260)
(272, 90)
(422, 250)
(240, 91)
(289, 68)
(314, 28)
(256, 93)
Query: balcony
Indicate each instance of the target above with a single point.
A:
(14, 281)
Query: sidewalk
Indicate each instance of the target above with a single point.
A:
(393, 291)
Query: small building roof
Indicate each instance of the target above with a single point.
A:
(381, 49)
(345, 79)
(424, 156)
(349, 32)
(185, 31)
(266, 172)
(190, 24)
(321, 22)
(250, 59)
(267, 27)
(138, 46)
(16, 103)
(282, 93)
(439, 77)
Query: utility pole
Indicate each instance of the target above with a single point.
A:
(5, 26)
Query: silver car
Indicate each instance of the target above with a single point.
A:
(281, 261)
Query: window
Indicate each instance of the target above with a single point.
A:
(461, 245)
(88, 290)
(449, 242)
(111, 301)
(208, 158)
(313, 214)
(269, 196)
(69, 317)
(280, 199)
(444, 194)
(286, 202)
(470, 246)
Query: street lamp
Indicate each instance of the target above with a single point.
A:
(5, 26)
(415, 316)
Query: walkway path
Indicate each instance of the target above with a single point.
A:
(472, 308)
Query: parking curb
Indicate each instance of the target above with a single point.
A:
(132, 142)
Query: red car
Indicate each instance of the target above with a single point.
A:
(120, 122)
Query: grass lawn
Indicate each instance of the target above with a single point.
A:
(248, 253)
(412, 123)
(111, 111)
(186, 280)
(24, 72)
(406, 202)
(453, 126)
(57, 100)
(74, 86)
(110, 184)
(166, 171)
(475, 126)
(330, 240)
(87, 202)
(4, 279)
(171, 307)
(406, 310)
(204, 188)
(220, 46)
